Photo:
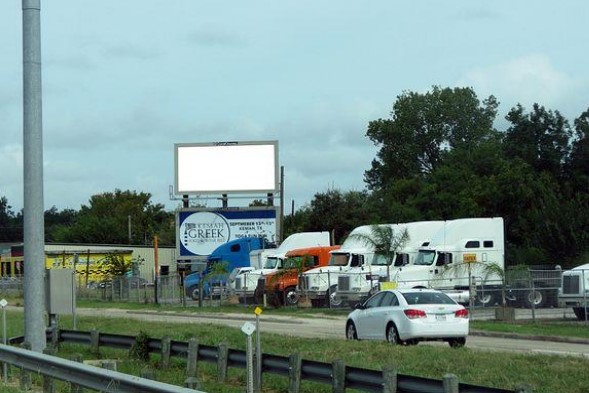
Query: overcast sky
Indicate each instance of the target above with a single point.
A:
(124, 80)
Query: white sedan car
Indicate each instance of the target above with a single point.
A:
(408, 316)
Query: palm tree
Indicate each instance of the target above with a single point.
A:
(384, 241)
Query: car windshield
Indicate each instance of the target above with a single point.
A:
(413, 298)
(425, 258)
(339, 259)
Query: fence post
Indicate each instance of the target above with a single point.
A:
(450, 383)
(166, 347)
(94, 341)
(73, 387)
(294, 373)
(25, 376)
(339, 376)
(389, 379)
(223, 352)
(48, 383)
(191, 365)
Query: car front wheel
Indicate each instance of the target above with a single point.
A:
(393, 335)
(351, 333)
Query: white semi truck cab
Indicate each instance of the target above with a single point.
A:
(456, 261)
(574, 291)
(357, 284)
(246, 284)
(319, 285)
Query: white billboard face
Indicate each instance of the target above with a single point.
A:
(227, 167)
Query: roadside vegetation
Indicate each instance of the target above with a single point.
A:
(545, 373)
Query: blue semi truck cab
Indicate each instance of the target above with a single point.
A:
(231, 255)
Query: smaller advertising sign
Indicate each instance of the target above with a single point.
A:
(200, 232)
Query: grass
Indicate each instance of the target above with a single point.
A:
(545, 373)
(557, 327)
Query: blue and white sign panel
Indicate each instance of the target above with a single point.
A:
(200, 232)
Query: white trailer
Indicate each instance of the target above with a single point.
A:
(245, 284)
(358, 283)
(458, 258)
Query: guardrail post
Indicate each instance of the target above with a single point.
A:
(94, 341)
(48, 383)
(191, 365)
(166, 347)
(73, 387)
(339, 376)
(450, 383)
(389, 379)
(54, 336)
(294, 373)
(222, 359)
(523, 388)
(25, 376)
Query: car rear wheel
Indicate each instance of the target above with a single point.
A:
(351, 333)
(457, 342)
(393, 335)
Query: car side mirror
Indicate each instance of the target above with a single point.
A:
(359, 306)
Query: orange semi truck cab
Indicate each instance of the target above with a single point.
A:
(283, 284)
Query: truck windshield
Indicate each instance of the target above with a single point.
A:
(339, 259)
(299, 262)
(425, 258)
(380, 260)
(273, 263)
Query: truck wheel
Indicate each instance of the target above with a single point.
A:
(486, 298)
(579, 313)
(193, 292)
(291, 297)
(535, 298)
(332, 298)
(259, 295)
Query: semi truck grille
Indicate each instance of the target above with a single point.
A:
(570, 285)
(343, 283)
(238, 283)
(305, 282)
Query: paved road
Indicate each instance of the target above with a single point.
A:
(333, 327)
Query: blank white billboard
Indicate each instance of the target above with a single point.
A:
(226, 167)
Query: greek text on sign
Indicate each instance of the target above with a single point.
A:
(469, 258)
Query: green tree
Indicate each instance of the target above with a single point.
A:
(10, 223)
(110, 216)
(338, 212)
(56, 219)
(422, 128)
(541, 138)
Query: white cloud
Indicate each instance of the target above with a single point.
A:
(526, 80)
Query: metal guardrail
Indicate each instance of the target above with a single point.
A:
(84, 375)
(357, 378)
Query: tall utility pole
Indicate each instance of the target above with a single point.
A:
(34, 222)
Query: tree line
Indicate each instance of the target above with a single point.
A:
(440, 157)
